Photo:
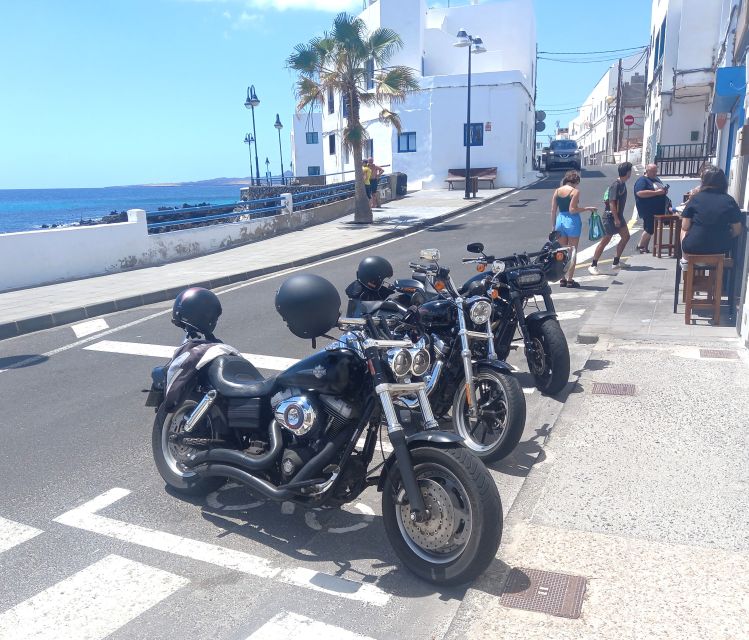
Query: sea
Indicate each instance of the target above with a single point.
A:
(29, 209)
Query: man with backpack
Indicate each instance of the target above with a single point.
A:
(613, 219)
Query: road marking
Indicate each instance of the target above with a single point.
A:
(587, 253)
(85, 517)
(92, 603)
(573, 296)
(165, 352)
(14, 533)
(386, 446)
(310, 518)
(292, 626)
(83, 329)
(528, 390)
(570, 315)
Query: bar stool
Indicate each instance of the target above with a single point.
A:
(659, 245)
(703, 273)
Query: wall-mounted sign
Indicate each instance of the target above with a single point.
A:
(488, 126)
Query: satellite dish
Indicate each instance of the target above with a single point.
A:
(540, 126)
(540, 116)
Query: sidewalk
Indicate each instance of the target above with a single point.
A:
(643, 496)
(27, 310)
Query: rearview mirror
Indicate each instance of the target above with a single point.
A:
(430, 254)
(475, 247)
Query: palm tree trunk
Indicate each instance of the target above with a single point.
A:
(362, 210)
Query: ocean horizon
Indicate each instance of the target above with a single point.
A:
(31, 209)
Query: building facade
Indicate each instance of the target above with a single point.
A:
(599, 128)
(306, 144)
(431, 140)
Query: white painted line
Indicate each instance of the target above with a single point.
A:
(86, 518)
(570, 315)
(528, 390)
(292, 626)
(83, 329)
(166, 352)
(92, 603)
(576, 295)
(14, 533)
(386, 446)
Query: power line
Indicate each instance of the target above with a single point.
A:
(577, 53)
(578, 61)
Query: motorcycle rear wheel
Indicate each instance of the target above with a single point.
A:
(501, 414)
(550, 364)
(462, 536)
(167, 454)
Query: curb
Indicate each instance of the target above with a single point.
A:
(75, 314)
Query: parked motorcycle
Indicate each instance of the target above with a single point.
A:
(486, 401)
(293, 437)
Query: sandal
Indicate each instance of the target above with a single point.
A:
(572, 284)
(563, 282)
(643, 250)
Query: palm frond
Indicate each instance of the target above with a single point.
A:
(308, 92)
(383, 44)
(354, 136)
(390, 118)
(395, 83)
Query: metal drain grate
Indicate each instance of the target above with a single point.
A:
(614, 388)
(725, 354)
(557, 594)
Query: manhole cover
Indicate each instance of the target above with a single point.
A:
(719, 353)
(614, 388)
(557, 594)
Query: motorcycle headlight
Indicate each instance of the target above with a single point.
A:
(481, 311)
(399, 361)
(420, 361)
(498, 266)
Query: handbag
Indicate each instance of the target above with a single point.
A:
(595, 226)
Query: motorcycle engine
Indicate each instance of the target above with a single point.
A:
(310, 416)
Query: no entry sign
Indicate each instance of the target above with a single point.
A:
(629, 120)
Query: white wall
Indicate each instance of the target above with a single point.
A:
(305, 155)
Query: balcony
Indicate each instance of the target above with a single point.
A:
(685, 160)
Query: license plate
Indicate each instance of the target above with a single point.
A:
(155, 398)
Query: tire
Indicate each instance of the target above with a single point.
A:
(501, 436)
(551, 367)
(167, 456)
(456, 479)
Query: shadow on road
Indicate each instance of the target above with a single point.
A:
(21, 361)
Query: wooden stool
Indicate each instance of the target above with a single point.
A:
(703, 273)
(659, 245)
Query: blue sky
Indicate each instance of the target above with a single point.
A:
(110, 92)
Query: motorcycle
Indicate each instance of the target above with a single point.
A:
(467, 378)
(293, 437)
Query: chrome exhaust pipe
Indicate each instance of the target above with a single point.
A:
(200, 410)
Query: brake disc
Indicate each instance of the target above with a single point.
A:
(437, 532)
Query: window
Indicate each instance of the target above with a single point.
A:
(313, 171)
(345, 152)
(369, 70)
(312, 137)
(344, 105)
(369, 148)
(331, 101)
(695, 136)
(477, 134)
(407, 142)
(331, 144)
(660, 45)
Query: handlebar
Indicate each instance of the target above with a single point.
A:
(423, 268)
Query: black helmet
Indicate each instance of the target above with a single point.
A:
(373, 271)
(196, 308)
(309, 304)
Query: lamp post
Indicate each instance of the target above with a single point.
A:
(278, 127)
(248, 140)
(267, 169)
(475, 45)
(251, 102)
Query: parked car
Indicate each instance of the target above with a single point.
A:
(563, 153)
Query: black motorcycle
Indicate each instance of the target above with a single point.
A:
(293, 437)
(467, 378)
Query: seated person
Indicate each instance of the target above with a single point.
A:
(711, 218)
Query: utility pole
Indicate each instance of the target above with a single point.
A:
(535, 96)
(618, 116)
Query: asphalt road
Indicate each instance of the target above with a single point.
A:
(142, 563)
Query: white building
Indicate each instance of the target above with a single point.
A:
(306, 144)
(684, 43)
(599, 128)
(432, 138)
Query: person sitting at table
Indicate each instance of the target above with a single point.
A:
(711, 218)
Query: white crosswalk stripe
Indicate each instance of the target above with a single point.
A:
(90, 327)
(14, 533)
(92, 603)
(570, 315)
(292, 626)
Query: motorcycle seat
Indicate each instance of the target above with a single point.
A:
(379, 305)
(235, 377)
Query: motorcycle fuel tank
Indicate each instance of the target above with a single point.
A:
(438, 313)
(337, 372)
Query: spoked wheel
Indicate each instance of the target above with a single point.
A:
(501, 415)
(169, 455)
(550, 361)
(460, 537)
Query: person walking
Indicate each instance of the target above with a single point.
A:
(367, 180)
(651, 201)
(565, 218)
(613, 219)
(376, 172)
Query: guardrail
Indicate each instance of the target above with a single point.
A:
(685, 160)
(228, 213)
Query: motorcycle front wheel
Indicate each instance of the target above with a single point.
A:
(550, 361)
(501, 414)
(168, 455)
(462, 534)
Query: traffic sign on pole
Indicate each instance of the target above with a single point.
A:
(629, 120)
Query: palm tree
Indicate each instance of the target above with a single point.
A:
(341, 61)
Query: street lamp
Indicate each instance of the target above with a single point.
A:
(278, 127)
(252, 102)
(248, 140)
(475, 45)
(267, 168)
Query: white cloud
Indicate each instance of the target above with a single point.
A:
(246, 20)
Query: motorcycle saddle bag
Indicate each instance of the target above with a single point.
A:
(235, 377)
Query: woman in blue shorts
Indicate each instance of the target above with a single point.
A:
(565, 218)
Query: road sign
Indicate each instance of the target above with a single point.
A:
(540, 126)
(629, 120)
(540, 116)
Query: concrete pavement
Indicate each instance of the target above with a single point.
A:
(643, 495)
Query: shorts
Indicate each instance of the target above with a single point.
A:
(368, 188)
(609, 228)
(648, 223)
(569, 224)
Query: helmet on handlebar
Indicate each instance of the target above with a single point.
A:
(552, 266)
(309, 304)
(373, 271)
(196, 308)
